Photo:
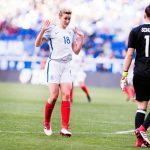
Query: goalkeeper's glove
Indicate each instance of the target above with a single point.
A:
(123, 81)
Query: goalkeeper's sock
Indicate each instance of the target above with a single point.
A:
(146, 123)
(65, 113)
(48, 112)
(85, 89)
(139, 117)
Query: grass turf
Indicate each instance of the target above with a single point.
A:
(93, 125)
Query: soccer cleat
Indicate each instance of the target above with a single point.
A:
(139, 143)
(89, 98)
(48, 130)
(65, 132)
(143, 137)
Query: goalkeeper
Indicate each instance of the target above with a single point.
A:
(139, 39)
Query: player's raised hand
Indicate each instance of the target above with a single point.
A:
(78, 32)
(46, 25)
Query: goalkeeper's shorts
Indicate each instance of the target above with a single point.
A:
(142, 88)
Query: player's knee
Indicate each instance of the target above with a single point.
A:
(54, 96)
(66, 96)
(82, 84)
(52, 100)
(142, 106)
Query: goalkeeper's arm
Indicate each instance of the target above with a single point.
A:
(127, 63)
(128, 59)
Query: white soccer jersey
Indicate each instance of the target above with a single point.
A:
(60, 41)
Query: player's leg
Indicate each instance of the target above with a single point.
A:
(142, 103)
(85, 89)
(65, 88)
(139, 120)
(81, 79)
(49, 106)
(52, 73)
(146, 123)
(141, 131)
(140, 113)
(65, 108)
(71, 93)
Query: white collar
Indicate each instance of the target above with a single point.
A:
(146, 22)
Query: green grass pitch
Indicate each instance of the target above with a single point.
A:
(93, 125)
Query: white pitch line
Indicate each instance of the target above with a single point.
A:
(124, 132)
(20, 132)
(26, 132)
(76, 133)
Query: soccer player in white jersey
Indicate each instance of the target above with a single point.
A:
(78, 74)
(62, 41)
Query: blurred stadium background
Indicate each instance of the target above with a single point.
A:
(106, 24)
(95, 125)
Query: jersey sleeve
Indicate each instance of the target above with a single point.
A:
(132, 39)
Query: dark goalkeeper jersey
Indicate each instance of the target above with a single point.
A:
(139, 39)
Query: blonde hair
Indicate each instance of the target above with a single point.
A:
(64, 11)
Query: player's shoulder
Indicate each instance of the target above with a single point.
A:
(70, 31)
(53, 26)
(136, 28)
(142, 28)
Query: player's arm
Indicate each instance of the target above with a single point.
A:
(40, 40)
(128, 59)
(78, 43)
(127, 63)
(130, 51)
